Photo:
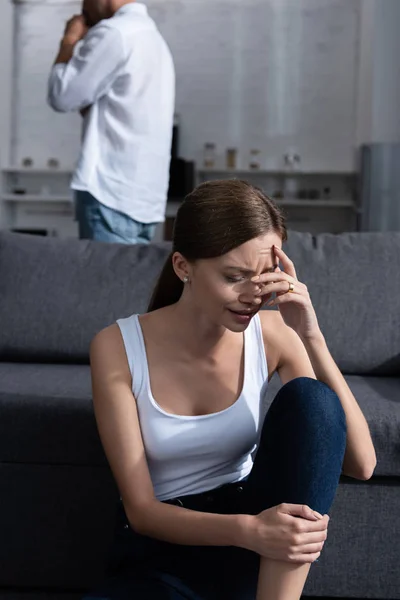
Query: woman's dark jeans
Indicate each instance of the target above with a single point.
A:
(299, 461)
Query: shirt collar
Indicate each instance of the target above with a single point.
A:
(136, 7)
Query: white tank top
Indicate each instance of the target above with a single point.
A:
(193, 454)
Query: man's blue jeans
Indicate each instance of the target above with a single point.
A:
(299, 461)
(98, 222)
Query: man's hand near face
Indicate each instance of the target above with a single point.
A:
(75, 30)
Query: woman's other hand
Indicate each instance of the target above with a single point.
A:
(287, 532)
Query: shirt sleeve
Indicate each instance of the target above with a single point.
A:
(90, 72)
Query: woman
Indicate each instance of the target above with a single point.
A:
(178, 395)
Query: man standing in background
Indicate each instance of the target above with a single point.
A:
(116, 69)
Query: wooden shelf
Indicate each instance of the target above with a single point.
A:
(333, 203)
(216, 171)
(172, 207)
(35, 198)
(276, 173)
(36, 171)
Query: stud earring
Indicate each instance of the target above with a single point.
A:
(186, 279)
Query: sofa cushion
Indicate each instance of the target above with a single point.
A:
(47, 415)
(379, 399)
(354, 283)
(56, 526)
(55, 295)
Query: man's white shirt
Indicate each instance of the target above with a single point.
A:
(124, 71)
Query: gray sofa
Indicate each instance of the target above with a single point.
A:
(57, 496)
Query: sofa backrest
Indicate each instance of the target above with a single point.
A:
(56, 294)
(354, 282)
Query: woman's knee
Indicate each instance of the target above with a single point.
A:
(311, 400)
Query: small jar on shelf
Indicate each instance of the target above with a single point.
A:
(291, 160)
(209, 156)
(292, 163)
(254, 163)
(327, 193)
(231, 158)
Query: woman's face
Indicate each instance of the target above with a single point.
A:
(222, 288)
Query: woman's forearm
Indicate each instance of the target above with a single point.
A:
(179, 525)
(360, 459)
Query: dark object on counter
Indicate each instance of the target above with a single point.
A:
(19, 191)
(175, 142)
(53, 163)
(314, 194)
(175, 137)
(42, 232)
(181, 178)
(327, 192)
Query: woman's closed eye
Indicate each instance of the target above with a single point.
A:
(235, 278)
(241, 278)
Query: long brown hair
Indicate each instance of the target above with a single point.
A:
(215, 218)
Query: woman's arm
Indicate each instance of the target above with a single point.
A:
(311, 358)
(119, 429)
(360, 458)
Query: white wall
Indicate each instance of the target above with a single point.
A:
(378, 102)
(6, 70)
(267, 74)
(261, 74)
(386, 72)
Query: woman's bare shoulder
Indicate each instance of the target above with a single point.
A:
(157, 316)
(107, 351)
(106, 336)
